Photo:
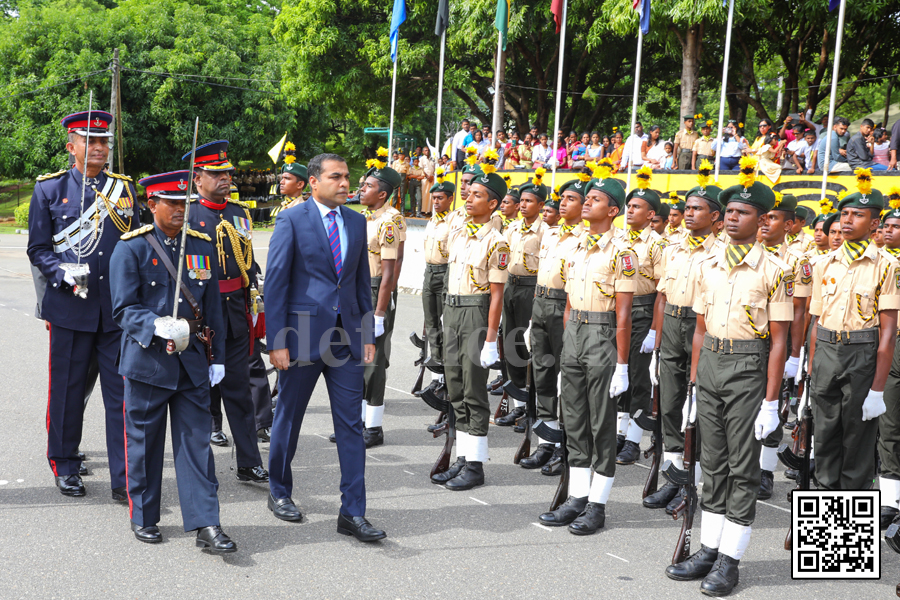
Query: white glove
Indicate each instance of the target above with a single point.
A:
(393, 304)
(216, 373)
(489, 354)
(619, 383)
(649, 342)
(527, 336)
(791, 367)
(767, 420)
(379, 326)
(803, 360)
(689, 410)
(873, 406)
(654, 367)
(67, 277)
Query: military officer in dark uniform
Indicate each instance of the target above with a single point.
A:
(64, 232)
(157, 381)
(227, 223)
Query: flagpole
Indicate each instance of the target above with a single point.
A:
(393, 99)
(559, 79)
(834, 80)
(497, 116)
(437, 135)
(634, 103)
(724, 85)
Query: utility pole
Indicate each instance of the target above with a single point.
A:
(113, 105)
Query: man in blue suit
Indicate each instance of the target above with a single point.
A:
(320, 322)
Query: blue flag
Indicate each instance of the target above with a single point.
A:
(833, 4)
(397, 19)
(643, 8)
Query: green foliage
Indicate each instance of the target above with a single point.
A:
(21, 214)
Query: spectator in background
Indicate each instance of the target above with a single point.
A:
(859, 148)
(562, 155)
(579, 151)
(882, 146)
(791, 130)
(542, 153)
(414, 178)
(427, 164)
(535, 138)
(479, 143)
(668, 161)
(769, 152)
(837, 162)
(525, 151)
(594, 150)
(607, 146)
(617, 150)
(684, 143)
(402, 166)
(730, 153)
(703, 146)
(503, 148)
(632, 152)
(652, 150)
(894, 148)
(460, 141)
(512, 157)
(765, 130)
(803, 158)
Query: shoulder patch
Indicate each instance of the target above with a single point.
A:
(120, 176)
(238, 202)
(47, 176)
(196, 234)
(805, 272)
(133, 234)
(627, 261)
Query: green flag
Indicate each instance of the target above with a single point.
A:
(502, 20)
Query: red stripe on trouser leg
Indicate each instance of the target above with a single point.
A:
(125, 432)
(49, 391)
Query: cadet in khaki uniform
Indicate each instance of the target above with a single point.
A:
(293, 180)
(479, 257)
(675, 321)
(642, 204)
(547, 318)
(855, 297)
(661, 219)
(889, 422)
(385, 233)
(743, 305)
(600, 283)
(797, 239)
(675, 232)
(703, 147)
(684, 143)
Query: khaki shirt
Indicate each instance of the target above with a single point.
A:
(847, 297)
(416, 172)
(803, 243)
(800, 267)
(401, 166)
(674, 236)
(685, 139)
(597, 271)
(757, 288)
(703, 147)
(681, 266)
(649, 250)
(437, 234)
(385, 231)
(525, 246)
(477, 260)
(557, 247)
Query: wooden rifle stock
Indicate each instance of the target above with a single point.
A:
(688, 506)
(503, 406)
(652, 484)
(802, 438)
(562, 490)
(528, 420)
(449, 429)
(417, 386)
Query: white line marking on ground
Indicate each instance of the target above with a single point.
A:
(20, 481)
(321, 436)
(787, 510)
(542, 526)
(619, 557)
(408, 472)
(3, 482)
(401, 391)
(637, 464)
(479, 501)
(373, 458)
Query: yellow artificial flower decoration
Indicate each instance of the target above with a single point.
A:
(826, 206)
(644, 176)
(703, 173)
(439, 174)
(289, 147)
(583, 176)
(382, 152)
(489, 161)
(748, 171)
(538, 175)
(709, 123)
(698, 116)
(894, 196)
(778, 197)
(740, 125)
(863, 181)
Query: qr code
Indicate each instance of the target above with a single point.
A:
(835, 534)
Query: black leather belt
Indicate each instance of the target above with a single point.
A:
(680, 312)
(542, 291)
(645, 300)
(589, 316)
(376, 283)
(863, 336)
(725, 346)
(467, 300)
(436, 268)
(522, 279)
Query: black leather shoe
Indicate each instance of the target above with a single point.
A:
(81, 455)
(435, 426)
(215, 540)
(662, 497)
(218, 438)
(373, 436)
(566, 513)
(620, 443)
(723, 578)
(541, 457)
(697, 565)
(434, 386)
(766, 485)
(83, 470)
(284, 509)
(554, 466)
(70, 485)
(519, 427)
(629, 454)
(511, 417)
(149, 534)
(120, 494)
(255, 474)
(888, 514)
(263, 434)
(332, 439)
(471, 476)
(453, 471)
(791, 474)
(360, 528)
(590, 521)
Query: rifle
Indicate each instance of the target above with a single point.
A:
(653, 424)
(441, 403)
(530, 418)
(503, 406)
(685, 478)
(800, 459)
(421, 344)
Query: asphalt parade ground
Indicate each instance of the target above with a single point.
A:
(483, 543)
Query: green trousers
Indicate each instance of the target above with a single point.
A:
(433, 305)
(518, 300)
(639, 392)
(889, 422)
(546, 349)
(730, 390)
(375, 373)
(588, 364)
(675, 347)
(465, 330)
(841, 378)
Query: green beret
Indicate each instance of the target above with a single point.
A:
(493, 182)
(514, 192)
(647, 195)
(788, 203)
(829, 221)
(610, 187)
(297, 170)
(893, 213)
(554, 204)
(541, 190)
(873, 199)
(759, 195)
(710, 193)
(472, 170)
(448, 187)
(679, 205)
(663, 211)
(575, 185)
(387, 175)
(818, 219)
(803, 212)
(688, 117)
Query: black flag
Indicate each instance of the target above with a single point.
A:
(443, 17)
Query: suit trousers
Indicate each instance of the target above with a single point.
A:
(675, 349)
(146, 406)
(375, 373)
(546, 349)
(344, 381)
(433, 306)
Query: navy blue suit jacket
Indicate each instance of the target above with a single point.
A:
(143, 291)
(56, 204)
(302, 289)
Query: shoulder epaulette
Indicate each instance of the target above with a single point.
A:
(47, 176)
(239, 203)
(118, 176)
(198, 234)
(133, 234)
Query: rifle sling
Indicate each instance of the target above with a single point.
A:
(172, 272)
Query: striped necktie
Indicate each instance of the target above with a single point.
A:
(592, 240)
(791, 237)
(367, 213)
(734, 254)
(567, 228)
(472, 228)
(695, 241)
(671, 230)
(854, 250)
(895, 252)
(439, 216)
(334, 239)
(633, 235)
(773, 249)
